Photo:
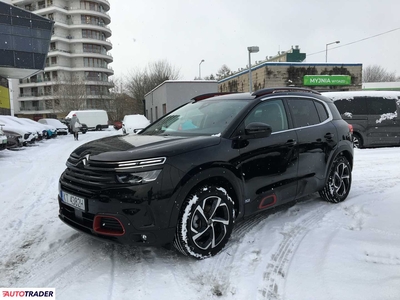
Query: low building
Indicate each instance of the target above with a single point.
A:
(319, 76)
(381, 86)
(173, 93)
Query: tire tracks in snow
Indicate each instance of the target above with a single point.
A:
(265, 256)
(279, 264)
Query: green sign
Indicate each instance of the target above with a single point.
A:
(318, 80)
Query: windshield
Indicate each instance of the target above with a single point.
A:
(205, 117)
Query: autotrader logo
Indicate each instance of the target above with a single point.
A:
(46, 293)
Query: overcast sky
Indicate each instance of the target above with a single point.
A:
(183, 32)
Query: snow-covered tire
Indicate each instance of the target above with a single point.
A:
(205, 222)
(338, 186)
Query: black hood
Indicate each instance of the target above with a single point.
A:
(128, 147)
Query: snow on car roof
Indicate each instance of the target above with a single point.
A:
(351, 94)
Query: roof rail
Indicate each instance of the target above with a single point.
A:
(283, 90)
(209, 95)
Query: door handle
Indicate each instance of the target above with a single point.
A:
(291, 143)
(329, 136)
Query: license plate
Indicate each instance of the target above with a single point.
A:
(73, 200)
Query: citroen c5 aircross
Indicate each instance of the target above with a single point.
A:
(186, 179)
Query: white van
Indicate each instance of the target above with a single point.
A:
(95, 119)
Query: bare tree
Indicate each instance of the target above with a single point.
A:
(377, 73)
(122, 104)
(211, 77)
(69, 94)
(140, 82)
(223, 72)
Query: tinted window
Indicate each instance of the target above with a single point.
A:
(357, 106)
(269, 112)
(323, 114)
(304, 112)
(380, 106)
(204, 117)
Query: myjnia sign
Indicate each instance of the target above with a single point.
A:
(317, 80)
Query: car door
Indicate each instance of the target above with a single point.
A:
(316, 138)
(268, 164)
(383, 126)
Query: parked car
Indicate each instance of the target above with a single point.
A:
(28, 137)
(375, 116)
(62, 129)
(188, 177)
(3, 138)
(42, 131)
(117, 125)
(133, 123)
(37, 135)
(14, 140)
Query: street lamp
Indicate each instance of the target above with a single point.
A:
(200, 68)
(252, 49)
(326, 49)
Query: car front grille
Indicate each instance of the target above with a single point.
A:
(86, 182)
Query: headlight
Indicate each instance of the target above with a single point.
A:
(139, 178)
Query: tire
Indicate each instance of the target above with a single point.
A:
(99, 128)
(205, 222)
(357, 141)
(337, 188)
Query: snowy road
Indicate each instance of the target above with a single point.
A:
(312, 250)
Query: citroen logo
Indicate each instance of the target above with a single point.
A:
(85, 160)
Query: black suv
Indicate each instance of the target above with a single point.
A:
(188, 177)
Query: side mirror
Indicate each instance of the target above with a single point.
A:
(258, 130)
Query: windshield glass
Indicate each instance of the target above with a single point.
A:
(205, 117)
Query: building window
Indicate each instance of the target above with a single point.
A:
(41, 4)
(164, 109)
(54, 60)
(51, 17)
(92, 48)
(53, 46)
(93, 76)
(94, 62)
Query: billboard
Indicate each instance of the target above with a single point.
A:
(324, 80)
(4, 97)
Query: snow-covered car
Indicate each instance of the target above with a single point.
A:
(133, 123)
(14, 139)
(61, 128)
(28, 137)
(3, 138)
(32, 127)
(44, 132)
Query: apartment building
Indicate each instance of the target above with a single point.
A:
(78, 57)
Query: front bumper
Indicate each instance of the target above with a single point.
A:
(123, 213)
(115, 227)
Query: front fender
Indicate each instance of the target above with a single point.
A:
(215, 172)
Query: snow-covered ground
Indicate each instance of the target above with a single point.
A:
(311, 251)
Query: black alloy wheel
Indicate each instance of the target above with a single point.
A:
(338, 185)
(357, 141)
(205, 223)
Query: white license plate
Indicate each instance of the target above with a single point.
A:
(73, 200)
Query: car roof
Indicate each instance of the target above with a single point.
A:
(262, 93)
